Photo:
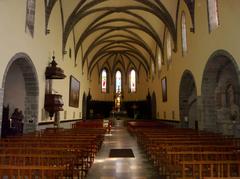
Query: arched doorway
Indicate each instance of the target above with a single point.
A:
(84, 106)
(220, 93)
(20, 85)
(187, 101)
(154, 105)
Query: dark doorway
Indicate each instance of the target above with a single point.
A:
(21, 74)
(220, 93)
(187, 100)
(84, 106)
(154, 105)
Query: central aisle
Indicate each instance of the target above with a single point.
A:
(121, 168)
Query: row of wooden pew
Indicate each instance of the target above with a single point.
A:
(51, 153)
(189, 154)
(97, 123)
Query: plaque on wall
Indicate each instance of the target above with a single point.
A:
(74, 91)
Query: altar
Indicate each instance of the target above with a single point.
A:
(118, 114)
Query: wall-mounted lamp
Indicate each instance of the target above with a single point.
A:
(47, 31)
(64, 52)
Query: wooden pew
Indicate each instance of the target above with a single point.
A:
(22, 165)
(50, 153)
(187, 153)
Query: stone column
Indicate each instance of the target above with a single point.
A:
(30, 115)
(200, 113)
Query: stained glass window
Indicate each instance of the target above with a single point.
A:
(30, 17)
(104, 81)
(169, 48)
(159, 60)
(184, 34)
(118, 81)
(212, 14)
(132, 81)
(153, 69)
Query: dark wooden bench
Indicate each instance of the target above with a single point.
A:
(52, 153)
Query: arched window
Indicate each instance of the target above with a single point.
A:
(159, 60)
(153, 69)
(169, 48)
(184, 34)
(104, 81)
(30, 17)
(132, 81)
(213, 20)
(118, 81)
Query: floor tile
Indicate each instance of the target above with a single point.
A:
(121, 168)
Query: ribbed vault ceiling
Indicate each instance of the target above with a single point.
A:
(113, 33)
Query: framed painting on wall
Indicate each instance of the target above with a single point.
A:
(74, 91)
(164, 89)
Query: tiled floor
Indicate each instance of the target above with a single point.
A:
(121, 168)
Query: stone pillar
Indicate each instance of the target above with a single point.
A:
(200, 113)
(30, 115)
